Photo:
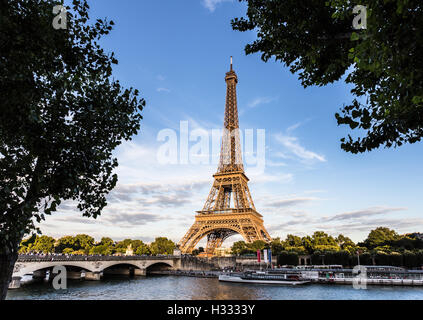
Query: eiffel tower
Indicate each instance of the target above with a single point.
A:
(229, 208)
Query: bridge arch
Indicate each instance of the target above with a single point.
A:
(27, 265)
(121, 263)
(23, 269)
(231, 230)
(158, 266)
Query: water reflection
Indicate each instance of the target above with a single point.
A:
(181, 288)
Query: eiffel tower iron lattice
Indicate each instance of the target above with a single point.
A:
(229, 208)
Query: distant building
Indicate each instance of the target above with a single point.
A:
(223, 252)
(204, 255)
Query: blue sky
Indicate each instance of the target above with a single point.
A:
(176, 53)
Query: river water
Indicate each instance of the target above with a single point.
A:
(187, 288)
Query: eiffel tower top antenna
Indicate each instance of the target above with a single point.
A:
(230, 153)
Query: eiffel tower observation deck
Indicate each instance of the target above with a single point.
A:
(229, 208)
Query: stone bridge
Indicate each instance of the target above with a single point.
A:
(93, 266)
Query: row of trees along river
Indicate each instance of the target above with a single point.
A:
(83, 244)
(382, 246)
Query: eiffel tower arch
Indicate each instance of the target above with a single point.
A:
(229, 208)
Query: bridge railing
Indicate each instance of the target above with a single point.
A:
(63, 257)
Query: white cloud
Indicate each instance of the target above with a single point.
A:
(261, 100)
(211, 4)
(163, 90)
(290, 202)
(293, 146)
(364, 213)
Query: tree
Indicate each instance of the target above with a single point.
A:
(276, 246)
(257, 245)
(62, 115)
(142, 249)
(344, 242)
(64, 243)
(315, 38)
(321, 239)
(26, 244)
(81, 242)
(121, 246)
(44, 244)
(239, 248)
(104, 247)
(380, 236)
(162, 245)
(106, 241)
(84, 242)
(293, 241)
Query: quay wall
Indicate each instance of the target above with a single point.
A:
(218, 263)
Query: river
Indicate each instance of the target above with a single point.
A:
(187, 288)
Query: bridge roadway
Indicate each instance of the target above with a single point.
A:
(93, 266)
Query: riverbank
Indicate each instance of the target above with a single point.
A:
(188, 273)
(392, 277)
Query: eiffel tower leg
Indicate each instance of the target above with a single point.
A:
(185, 245)
(216, 238)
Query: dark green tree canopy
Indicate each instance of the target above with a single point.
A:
(383, 63)
(162, 245)
(61, 116)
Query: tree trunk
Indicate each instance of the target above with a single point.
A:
(7, 263)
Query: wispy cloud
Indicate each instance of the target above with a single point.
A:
(293, 146)
(260, 100)
(163, 90)
(161, 77)
(359, 214)
(289, 202)
(211, 4)
(130, 220)
(350, 223)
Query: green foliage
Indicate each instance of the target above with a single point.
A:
(123, 245)
(84, 244)
(293, 241)
(66, 242)
(239, 248)
(162, 245)
(258, 245)
(287, 258)
(276, 246)
(80, 242)
(26, 244)
(321, 240)
(62, 115)
(380, 236)
(107, 242)
(142, 249)
(242, 248)
(331, 257)
(44, 244)
(382, 63)
(101, 249)
(67, 251)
